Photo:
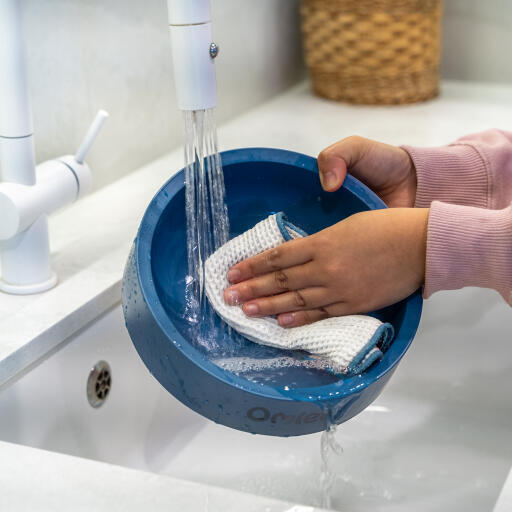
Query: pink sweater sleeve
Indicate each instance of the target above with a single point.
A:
(468, 187)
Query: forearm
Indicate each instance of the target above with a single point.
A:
(468, 246)
(474, 171)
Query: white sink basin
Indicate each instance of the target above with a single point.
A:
(438, 438)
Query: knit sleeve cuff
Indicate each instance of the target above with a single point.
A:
(455, 174)
(468, 246)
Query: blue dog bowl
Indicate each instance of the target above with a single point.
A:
(279, 401)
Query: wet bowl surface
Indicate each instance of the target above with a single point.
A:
(279, 401)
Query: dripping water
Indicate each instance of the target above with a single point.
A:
(330, 450)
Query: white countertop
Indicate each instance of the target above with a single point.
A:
(90, 240)
(37, 480)
(90, 244)
(504, 503)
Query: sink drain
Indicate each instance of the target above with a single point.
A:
(99, 384)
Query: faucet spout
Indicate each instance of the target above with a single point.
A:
(193, 54)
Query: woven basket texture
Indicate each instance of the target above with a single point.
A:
(373, 51)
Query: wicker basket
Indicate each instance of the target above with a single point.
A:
(373, 51)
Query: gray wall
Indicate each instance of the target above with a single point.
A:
(89, 54)
(477, 37)
(115, 54)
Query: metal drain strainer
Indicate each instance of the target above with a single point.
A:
(99, 384)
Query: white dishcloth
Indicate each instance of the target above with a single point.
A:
(351, 343)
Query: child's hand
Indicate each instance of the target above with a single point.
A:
(387, 170)
(365, 262)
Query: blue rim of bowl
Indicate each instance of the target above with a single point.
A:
(337, 390)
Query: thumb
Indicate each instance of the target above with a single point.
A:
(332, 170)
(334, 160)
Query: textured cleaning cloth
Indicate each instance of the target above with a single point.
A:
(350, 343)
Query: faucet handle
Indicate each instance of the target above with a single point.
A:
(91, 135)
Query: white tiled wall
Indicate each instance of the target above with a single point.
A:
(115, 54)
(477, 40)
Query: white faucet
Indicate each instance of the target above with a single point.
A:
(28, 194)
(193, 53)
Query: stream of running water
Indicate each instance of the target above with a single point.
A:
(206, 214)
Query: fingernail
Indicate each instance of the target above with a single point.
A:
(234, 275)
(232, 297)
(286, 319)
(328, 179)
(251, 309)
